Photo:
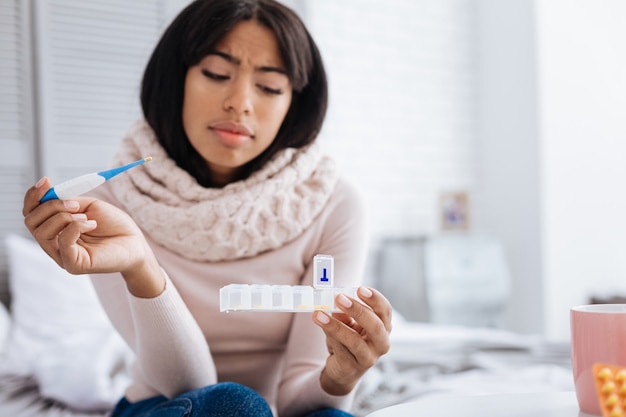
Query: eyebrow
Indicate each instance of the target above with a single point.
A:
(237, 61)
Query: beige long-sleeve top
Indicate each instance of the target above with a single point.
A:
(182, 341)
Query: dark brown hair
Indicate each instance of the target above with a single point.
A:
(191, 36)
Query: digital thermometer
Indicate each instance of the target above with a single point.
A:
(84, 183)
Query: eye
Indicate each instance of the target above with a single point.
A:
(214, 76)
(269, 90)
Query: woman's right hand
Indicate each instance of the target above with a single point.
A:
(86, 235)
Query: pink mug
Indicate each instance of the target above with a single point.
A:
(598, 336)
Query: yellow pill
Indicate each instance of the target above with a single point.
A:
(612, 400)
(621, 376)
(616, 412)
(622, 391)
(608, 387)
(605, 373)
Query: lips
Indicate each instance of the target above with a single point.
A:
(231, 127)
(232, 134)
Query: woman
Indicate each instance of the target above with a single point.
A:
(233, 97)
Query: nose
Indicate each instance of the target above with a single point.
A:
(239, 97)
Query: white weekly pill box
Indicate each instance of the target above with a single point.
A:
(280, 298)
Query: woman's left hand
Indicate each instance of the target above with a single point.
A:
(355, 338)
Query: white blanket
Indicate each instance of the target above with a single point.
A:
(427, 359)
(59, 333)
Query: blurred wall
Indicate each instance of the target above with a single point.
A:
(582, 75)
(508, 195)
(553, 142)
(404, 95)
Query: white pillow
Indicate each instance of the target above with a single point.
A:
(60, 333)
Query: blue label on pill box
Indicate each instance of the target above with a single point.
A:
(323, 271)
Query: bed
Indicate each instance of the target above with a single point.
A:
(83, 372)
(433, 359)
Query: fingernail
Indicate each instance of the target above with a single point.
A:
(40, 182)
(79, 216)
(365, 292)
(344, 301)
(323, 318)
(70, 204)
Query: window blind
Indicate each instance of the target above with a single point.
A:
(70, 74)
(16, 122)
(90, 60)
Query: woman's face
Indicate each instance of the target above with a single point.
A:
(236, 99)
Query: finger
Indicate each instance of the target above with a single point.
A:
(376, 332)
(359, 348)
(337, 324)
(379, 303)
(342, 367)
(341, 340)
(339, 350)
(34, 194)
(50, 245)
(45, 222)
(344, 318)
(69, 249)
(348, 321)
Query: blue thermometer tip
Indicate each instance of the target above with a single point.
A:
(110, 173)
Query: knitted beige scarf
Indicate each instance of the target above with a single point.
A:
(263, 212)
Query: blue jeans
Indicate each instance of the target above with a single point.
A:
(226, 399)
